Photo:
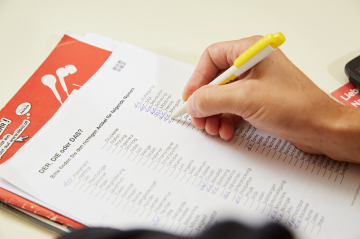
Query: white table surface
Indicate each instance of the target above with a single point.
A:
(321, 35)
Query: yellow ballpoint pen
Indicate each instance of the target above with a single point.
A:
(244, 62)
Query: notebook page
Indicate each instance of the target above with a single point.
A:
(113, 157)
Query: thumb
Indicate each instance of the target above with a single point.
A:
(216, 99)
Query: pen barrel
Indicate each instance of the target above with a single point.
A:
(233, 70)
(225, 75)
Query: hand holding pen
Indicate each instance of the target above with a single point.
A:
(274, 96)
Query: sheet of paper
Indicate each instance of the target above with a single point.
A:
(95, 40)
(99, 40)
(112, 157)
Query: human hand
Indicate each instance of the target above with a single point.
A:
(274, 96)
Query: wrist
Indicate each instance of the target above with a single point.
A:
(342, 139)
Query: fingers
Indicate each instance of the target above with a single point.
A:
(212, 100)
(227, 125)
(199, 122)
(222, 125)
(209, 104)
(217, 57)
(213, 124)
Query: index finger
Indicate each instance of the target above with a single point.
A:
(217, 57)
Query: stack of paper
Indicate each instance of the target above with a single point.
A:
(111, 156)
(40, 97)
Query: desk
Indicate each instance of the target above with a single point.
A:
(321, 37)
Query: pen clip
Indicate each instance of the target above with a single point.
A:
(274, 41)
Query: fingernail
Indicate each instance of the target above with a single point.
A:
(190, 106)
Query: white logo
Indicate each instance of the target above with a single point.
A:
(62, 72)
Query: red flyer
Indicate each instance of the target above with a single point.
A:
(348, 94)
(67, 68)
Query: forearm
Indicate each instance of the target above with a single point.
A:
(327, 128)
(342, 139)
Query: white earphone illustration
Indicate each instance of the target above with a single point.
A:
(62, 72)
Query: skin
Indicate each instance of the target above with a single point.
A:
(274, 96)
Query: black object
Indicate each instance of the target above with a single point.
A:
(352, 70)
(229, 230)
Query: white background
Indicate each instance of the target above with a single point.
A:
(321, 37)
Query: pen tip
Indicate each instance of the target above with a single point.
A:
(179, 111)
(173, 117)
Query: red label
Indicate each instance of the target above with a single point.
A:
(348, 94)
